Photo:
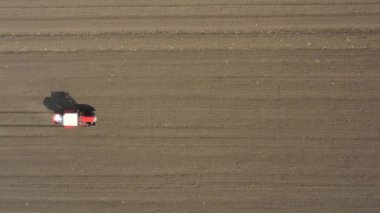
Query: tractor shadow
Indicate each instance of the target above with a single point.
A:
(60, 101)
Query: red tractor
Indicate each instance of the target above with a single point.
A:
(71, 118)
(68, 112)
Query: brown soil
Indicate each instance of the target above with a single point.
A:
(217, 106)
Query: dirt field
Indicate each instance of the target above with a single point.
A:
(203, 106)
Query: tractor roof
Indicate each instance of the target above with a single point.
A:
(70, 119)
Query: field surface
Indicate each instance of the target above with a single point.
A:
(203, 106)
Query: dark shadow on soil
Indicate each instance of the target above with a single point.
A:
(59, 101)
